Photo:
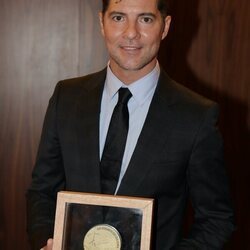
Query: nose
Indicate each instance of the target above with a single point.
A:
(131, 32)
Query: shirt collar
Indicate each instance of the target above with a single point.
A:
(140, 89)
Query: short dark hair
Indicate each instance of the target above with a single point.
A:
(163, 7)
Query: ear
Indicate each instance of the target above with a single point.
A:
(167, 22)
(101, 17)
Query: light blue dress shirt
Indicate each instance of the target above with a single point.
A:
(142, 93)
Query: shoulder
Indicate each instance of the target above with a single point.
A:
(69, 91)
(89, 81)
(175, 93)
(185, 104)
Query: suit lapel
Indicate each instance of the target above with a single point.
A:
(87, 129)
(152, 138)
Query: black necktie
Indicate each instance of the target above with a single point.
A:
(115, 143)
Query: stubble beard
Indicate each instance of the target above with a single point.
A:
(132, 68)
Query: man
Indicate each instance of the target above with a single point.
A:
(173, 149)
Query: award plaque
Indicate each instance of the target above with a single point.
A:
(88, 221)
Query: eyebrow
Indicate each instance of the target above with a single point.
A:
(148, 14)
(116, 13)
(124, 14)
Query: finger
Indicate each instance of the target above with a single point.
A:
(49, 244)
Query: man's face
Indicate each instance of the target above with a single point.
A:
(133, 30)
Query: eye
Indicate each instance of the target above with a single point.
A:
(118, 18)
(146, 19)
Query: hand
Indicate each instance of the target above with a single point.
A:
(49, 245)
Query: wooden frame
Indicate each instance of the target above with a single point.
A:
(64, 198)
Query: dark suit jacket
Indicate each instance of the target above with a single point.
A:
(179, 153)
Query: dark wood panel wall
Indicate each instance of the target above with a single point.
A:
(208, 50)
(43, 41)
(40, 43)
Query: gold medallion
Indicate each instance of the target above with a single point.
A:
(102, 237)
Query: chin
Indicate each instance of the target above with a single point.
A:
(132, 66)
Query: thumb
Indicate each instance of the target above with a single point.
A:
(49, 244)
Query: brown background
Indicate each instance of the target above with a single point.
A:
(208, 50)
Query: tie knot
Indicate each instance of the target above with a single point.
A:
(124, 95)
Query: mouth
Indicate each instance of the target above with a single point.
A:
(131, 49)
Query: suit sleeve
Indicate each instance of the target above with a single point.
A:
(208, 188)
(47, 180)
